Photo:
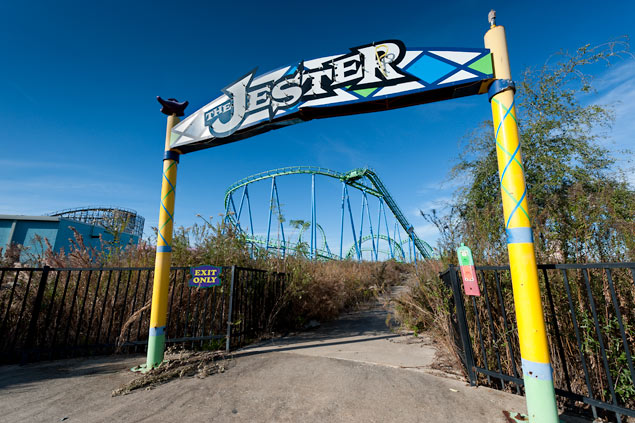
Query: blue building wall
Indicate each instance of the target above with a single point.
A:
(31, 234)
(5, 232)
(90, 234)
(30, 231)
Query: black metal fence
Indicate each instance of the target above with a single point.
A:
(258, 299)
(590, 316)
(48, 313)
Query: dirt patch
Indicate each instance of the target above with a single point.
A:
(447, 365)
(178, 364)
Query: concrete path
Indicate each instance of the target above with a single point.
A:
(274, 387)
(352, 370)
(363, 337)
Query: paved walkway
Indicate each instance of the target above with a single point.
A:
(362, 337)
(352, 370)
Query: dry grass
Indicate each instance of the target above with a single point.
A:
(428, 306)
(177, 365)
(425, 305)
(323, 290)
(134, 318)
(80, 308)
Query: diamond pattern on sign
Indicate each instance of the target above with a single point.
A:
(365, 92)
(483, 65)
(459, 76)
(460, 57)
(408, 86)
(342, 96)
(429, 69)
(409, 57)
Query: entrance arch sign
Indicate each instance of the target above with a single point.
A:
(380, 76)
(370, 78)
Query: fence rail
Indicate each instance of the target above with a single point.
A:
(48, 313)
(590, 318)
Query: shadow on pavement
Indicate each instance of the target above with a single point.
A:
(15, 375)
(287, 345)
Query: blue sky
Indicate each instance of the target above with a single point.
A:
(81, 126)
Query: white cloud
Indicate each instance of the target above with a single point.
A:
(53, 191)
(428, 232)
(446, 185)
(330, 147)
(618, 74)
(616, 88)
(6, 164)
(438, 204)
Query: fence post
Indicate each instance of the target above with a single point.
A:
(229, 313)
(35, 314)
(463, 328)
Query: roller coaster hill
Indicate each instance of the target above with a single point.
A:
(380, 232)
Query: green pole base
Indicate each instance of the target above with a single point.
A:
(156, 348)
(541, 400)
(143, 368)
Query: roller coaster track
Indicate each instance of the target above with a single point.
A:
(397, 249)
(298, 170)
(423, 247)
(363, 179)
(289, 245)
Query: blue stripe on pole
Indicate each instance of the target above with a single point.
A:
(519, 235)
(541, 371)
(171, 155)
(157, 331)
(164, 249)
(500, 85)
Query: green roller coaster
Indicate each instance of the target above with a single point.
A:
(363, 179)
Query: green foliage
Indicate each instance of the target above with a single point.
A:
(581, 207)
(302, 247)
(426, 304)
(582, 211)
(206, 243)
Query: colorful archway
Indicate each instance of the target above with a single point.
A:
(369, 78)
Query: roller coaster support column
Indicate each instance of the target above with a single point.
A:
(342, 224)
(361, 227)
(284, 242)
(313, 220)
(414, 248)
(381, 206)
(370, 225)
(379, 229)
(273, 184)
(534, 349)
(350, 214)
(158, 314)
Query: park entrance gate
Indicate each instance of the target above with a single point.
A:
(373, 77)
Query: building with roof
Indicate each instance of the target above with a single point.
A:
(96, 225)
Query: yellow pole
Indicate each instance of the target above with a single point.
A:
(158, 313)
(534, 349)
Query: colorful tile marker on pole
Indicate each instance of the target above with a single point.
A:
(534, 349)
(468, 272)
